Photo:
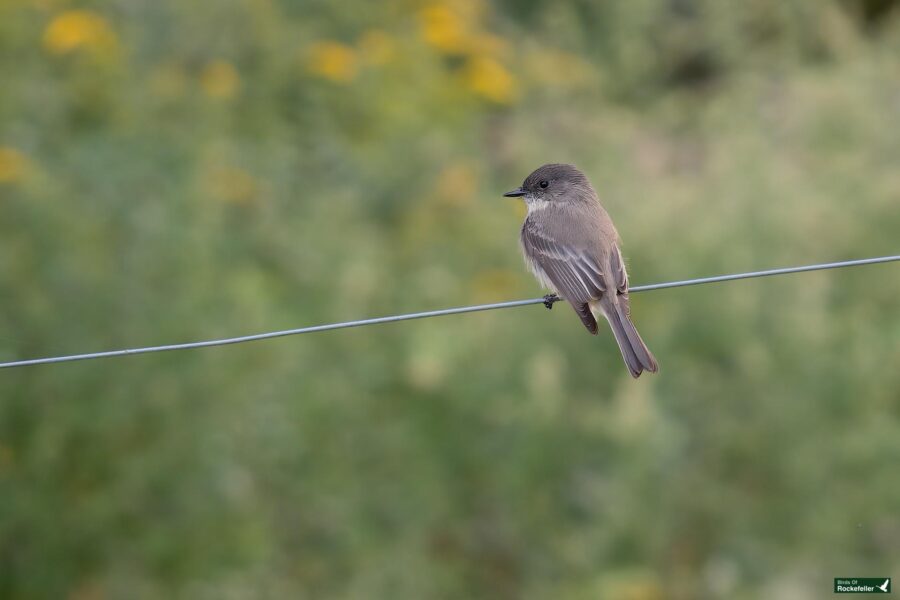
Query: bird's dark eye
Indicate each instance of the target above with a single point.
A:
(544, 183)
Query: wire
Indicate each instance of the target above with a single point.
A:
(437, 313)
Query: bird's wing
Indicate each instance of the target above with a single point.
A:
(618, 271)
(576, 275)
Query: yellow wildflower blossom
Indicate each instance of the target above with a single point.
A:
(490, 79)
(76, 29)
(220, 79)
(444, 28)
(452, 27)
(13, 165)
(333, 61)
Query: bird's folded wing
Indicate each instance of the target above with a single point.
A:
(577, 277)
(618, 271)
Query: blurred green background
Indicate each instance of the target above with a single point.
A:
(174, 171)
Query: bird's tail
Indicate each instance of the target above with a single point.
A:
(638, 357)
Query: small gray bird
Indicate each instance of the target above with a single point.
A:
(572, 247)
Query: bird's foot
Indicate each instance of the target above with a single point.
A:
(549, 299)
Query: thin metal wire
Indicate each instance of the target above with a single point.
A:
(438, 313)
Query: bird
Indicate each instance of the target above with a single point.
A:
(884, 586)
(572, 247)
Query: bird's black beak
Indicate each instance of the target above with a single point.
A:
(515, 193)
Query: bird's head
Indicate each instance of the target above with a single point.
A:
(553, 183)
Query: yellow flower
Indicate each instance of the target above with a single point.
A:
(13, 165)
(77, 29)
(451, 27)
(489, 79)
(333, 60)
(220, 79)
(443, 28)
(376, 47)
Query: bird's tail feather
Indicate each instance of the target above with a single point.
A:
(638, 357)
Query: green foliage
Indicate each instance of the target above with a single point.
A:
(172, 171)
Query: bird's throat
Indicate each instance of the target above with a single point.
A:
(535, 204)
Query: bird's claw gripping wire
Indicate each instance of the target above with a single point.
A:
(549, 299)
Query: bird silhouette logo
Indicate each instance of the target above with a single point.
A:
(885, 586)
